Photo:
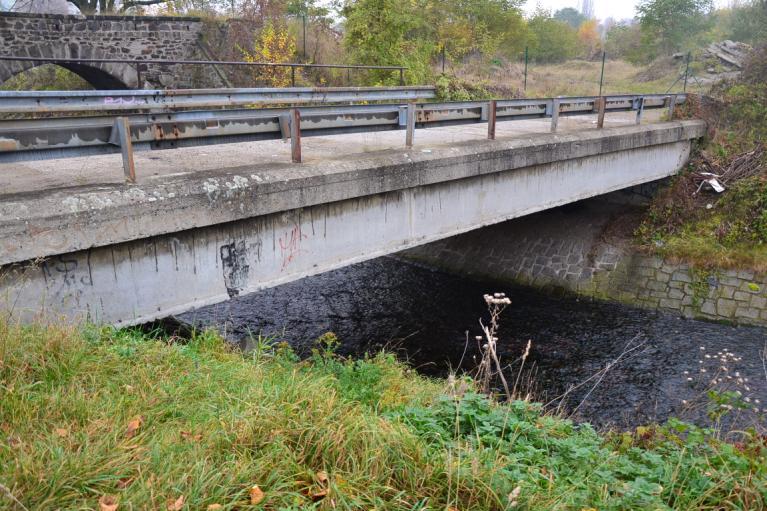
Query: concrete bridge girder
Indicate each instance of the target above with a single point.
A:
(243, 235)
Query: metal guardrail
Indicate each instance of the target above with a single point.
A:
(95, 101)
(140, 64)
(32, 139)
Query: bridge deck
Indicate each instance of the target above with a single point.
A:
(36, 177)
(243, 217)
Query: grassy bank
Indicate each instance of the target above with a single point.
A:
(478, 80)
(93, 417)
(727, 230)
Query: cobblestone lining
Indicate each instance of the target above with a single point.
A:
(571, 248)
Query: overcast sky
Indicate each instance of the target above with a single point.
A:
(618, 9)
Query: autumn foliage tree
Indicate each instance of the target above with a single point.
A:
(588, 37)
(275, 44)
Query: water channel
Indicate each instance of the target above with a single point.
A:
(665, 364)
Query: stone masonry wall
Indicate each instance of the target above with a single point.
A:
(108, 37)
(585, 248)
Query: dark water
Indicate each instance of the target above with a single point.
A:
(426, 314)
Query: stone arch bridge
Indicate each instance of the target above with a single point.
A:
(57, 36)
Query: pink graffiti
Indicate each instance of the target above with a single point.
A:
(120, 101)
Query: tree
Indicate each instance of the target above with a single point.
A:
(273, 44)
(671, 25)
(625, 41)
(106, 6)
(551, 40)
(376, 33)
(747, 22)
(571, 16)
(588, 36)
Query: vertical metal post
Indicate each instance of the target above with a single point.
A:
(349, 76)
(410, 125)
(602, 76)
(640, 108)
(402, 76)
(491, 120)
(671, 106)
(554, 114)
(444, 56)
(293, 75)
(138, 76)
(686, 71)
(304, 36)
(525, 86)
(126, 147)
(295, 135)
(602, 107)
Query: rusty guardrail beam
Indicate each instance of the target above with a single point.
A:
(28, 139)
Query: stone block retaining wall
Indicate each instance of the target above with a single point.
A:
(576, 248)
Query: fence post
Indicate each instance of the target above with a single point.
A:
(402, 76)
(492, 107)
(640, 108)
(444, 56)
(410, 125)
(304, 36)
(687, 71)
(525, 86)
(293, 76)
(602, 108)
(602, 76)
(295, 135)
(671, 106)
(554, 114)
(126, 147)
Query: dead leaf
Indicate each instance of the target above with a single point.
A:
(108, 503)
(214, 507)
(322, 477)
(256, 495)
(124, 482)
(188, 435)
(61, 432)
(176, 505)
(320, 494)
(133, 427)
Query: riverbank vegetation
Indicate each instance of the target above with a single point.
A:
(97, 418)
(688, 220)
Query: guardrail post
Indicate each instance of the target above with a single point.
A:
(601, 108)
(491, 110)
(671, 106)
(401, 76)
(554, 114)
(295, 135)
(640, 108)
(293, 76)
(410, 125)
(122, 125)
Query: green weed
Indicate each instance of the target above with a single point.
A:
(88, 412)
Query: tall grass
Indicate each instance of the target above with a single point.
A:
(95, 413)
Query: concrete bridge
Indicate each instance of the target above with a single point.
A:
(208, 223)
(56, 36)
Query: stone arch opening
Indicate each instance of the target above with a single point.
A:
(98, 78)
